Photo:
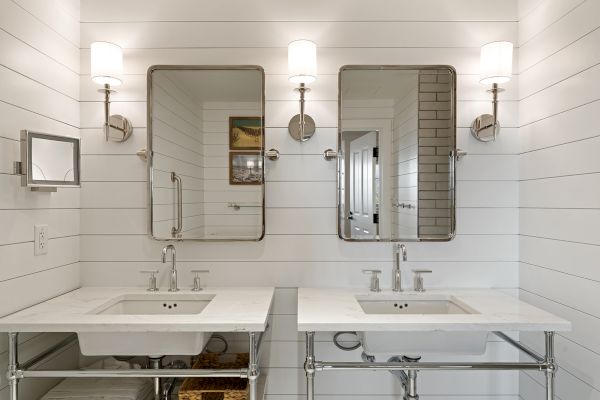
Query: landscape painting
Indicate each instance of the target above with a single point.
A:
(246, 133)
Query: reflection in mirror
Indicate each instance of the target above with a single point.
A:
(397, 135)
(51, 161)
(206, 140)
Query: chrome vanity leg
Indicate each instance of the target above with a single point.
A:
(156, 363)
(13, 365)
(550, 365)
(253, 371)
(412, 386)
(309, 365)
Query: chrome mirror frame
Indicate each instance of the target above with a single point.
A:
(24, 166)
(149, 152)
(454, 153)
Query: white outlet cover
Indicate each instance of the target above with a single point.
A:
(40, 240)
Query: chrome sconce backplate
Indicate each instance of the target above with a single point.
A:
(484, 129)
(295, 128)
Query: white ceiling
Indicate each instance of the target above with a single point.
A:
(377, 84)
(216, 85)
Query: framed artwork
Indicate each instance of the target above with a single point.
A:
(245, 168)
(246, 133)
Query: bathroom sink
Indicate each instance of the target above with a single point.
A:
(401, 306)
(419, 343)
(156, 304)
(433, 323)
(144, 306)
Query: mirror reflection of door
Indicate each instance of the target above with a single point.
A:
(406, 192)
(362, 180)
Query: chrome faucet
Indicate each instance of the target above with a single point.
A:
(396, 273)
(173, 278)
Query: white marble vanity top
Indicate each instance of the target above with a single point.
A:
(230, 310)
(332, 309)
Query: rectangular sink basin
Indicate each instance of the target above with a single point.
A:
(152, 344)
(420, 343)
(412, 307)
(156, 305)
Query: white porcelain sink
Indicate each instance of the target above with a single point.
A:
(416, 343)
(169, 304)
(148, 343)
(411, 307)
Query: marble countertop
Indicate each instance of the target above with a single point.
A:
(332, 309)
(231, 309)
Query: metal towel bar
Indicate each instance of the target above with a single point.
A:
(177, 229)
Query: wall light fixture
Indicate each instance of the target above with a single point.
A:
(106, 70)
(495, 68)
(302, 69)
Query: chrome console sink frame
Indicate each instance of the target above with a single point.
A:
(542, 363)
(17, 372)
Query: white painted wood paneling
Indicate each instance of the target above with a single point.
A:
(222, 34)
(559, 193)
(19, 22)
(313, 10)
(568, 28)
(39, 85)
(274, 60)
(301, 247)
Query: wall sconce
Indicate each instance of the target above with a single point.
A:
(495, 68)
(302, 69)
(106, 70)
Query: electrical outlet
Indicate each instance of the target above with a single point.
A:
(40, 240)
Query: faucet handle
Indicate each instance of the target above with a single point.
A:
(151, 279)
(419, 286)
(197, 272)
(374, 279)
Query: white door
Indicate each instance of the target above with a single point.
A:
(364, 204)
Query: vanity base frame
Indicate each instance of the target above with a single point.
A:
(17, 372)
(545, 364)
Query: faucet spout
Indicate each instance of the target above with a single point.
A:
(396, 272)
(173, 277)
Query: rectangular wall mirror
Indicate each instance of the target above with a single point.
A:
(205, 152)
(397, 141)
(48, 161)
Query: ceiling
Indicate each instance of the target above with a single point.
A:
(377, 84)
(216, 85)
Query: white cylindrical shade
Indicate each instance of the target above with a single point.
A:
(302, 61)
(106, 63)
(496, 62)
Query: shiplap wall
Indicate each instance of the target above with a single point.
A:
(39, 90)
(301, 247)
(221, 220)
(560, 184)
(405, 139)
(177, 147)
